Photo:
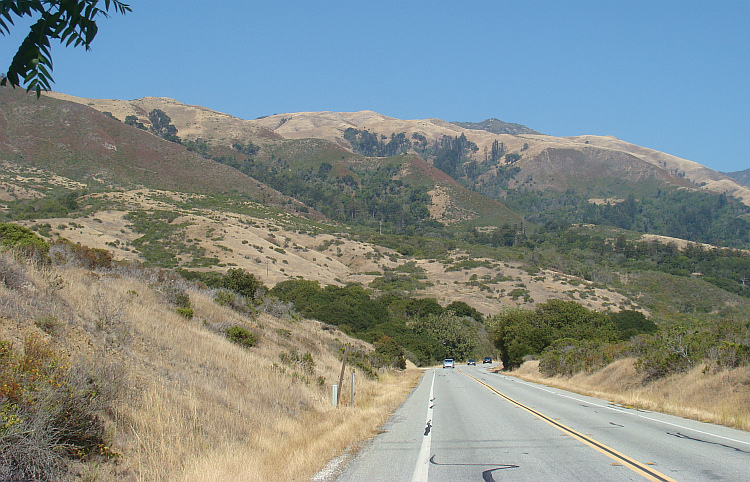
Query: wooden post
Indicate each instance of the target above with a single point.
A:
(341, 377)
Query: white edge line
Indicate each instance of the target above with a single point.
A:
(423, 460)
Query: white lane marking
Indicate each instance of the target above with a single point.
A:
(423, 460)
(621, 410)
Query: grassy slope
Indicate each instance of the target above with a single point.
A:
(721, 397)
(79, 142)
(186, 403)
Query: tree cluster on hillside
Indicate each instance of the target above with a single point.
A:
(57, 203)
(373, 198)
(726, 268)
(370, 144)
(449, 154)
(520, 332)
(161, 126)
(425, 330)
(701, 217)
(568, 338)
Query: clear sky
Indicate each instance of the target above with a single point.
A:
(669, 75)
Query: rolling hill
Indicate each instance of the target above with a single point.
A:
(557, 163)
(221, 207)
(399, 218)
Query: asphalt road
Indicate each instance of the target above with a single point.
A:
(468, 424)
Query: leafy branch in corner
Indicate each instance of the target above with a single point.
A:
(73, 22)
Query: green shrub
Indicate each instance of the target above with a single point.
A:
(49, 413)
(568, 356)
(15, 236)
(224, 298)
(185, 312)
(242, 283)
(241, 335)
(308, 365)
(64, 251)
(388, 352)
(48, 323)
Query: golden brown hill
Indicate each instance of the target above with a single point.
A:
(601, 153)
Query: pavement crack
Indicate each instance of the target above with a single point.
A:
(688, 437)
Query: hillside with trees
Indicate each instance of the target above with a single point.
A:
(398, 241)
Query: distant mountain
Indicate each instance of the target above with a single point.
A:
(80, 143)
(496, 126)
(330, 160)
(403, 190)
(531, 152)
(742, 177)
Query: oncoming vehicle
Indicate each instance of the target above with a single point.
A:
(472, 362)
(487, 360)
(448, 363)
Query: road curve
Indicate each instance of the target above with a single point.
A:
(469, 424)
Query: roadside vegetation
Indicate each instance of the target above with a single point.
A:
(423, 330)
(704, 393)
(103, 376)
(699, 371)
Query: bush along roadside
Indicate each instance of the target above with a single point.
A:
(49, 413)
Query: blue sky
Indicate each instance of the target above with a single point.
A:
(669, 75)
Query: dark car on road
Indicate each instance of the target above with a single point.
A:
(472, 361)
(487, 360)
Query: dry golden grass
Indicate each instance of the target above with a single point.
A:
(721, 397)
(196, 406)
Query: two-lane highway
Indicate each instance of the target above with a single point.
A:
(468, 424)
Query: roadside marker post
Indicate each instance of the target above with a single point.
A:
(341, 376)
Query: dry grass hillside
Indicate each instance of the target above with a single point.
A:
(46, 138)
(170, 396)
(192, 121)
(703, 393)
(279, 247)
(195, 121)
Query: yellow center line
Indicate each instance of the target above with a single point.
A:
(638, 467)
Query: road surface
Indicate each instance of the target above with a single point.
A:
(469, 424)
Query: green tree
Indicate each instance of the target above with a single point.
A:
(630, 323)
(520, 332)
(450, 336)
(464, 309)
(132, 120)
(73, 22)
(516, 332)
(242, 283)
(161, 125)
(389, 352)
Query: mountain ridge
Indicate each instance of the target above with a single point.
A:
(329, 125)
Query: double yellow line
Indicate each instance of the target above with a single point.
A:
(638, 467)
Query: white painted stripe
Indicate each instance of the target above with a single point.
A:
(423, 460)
